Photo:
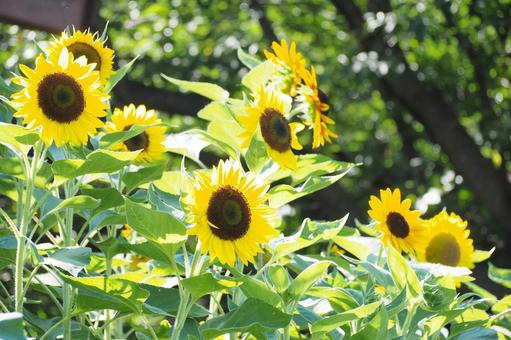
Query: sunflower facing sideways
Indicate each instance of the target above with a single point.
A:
(269, 114)
(88, 45)
(228, 213)
(314, 103)
(448, 242)
(61, 97)
(290, 65)
(150, 141)
(401, 227)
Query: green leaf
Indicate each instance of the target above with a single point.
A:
(71, 259)
(204, 284)
(96, 293)
(249, 60)
(106, 217)
(8, 246)
(148, 174)
(256, 155)
(306, 279)
(403, 274)
(11, 326)
(482, 255)
(340, 299)
(330, 323)
(108, 197)
(253, 316)
(118, 75)
(109, 139)
(375, 329)
(500, 275)
(17, 137)
(208, 90)
(164, 230)
(253, 288)
(279, 277)
(99, 161)
(76, 202)
(310, 232)
(165, 301)
(259, 75)
(283, 194)
(188, 144)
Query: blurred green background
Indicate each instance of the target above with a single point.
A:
(420, 90)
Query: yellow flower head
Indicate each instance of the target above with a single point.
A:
(401, 227)
(290, 65)
(279, 135)
(88, 45)
(150, 141)
(314, 103)
(228, 213)
(448, 242)
(61, 97)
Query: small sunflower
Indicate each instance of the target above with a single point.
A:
(401, 227)
(290, 66)
(279, 135)
(314, 103)
(150, 141)
(88, 45)
(229, 214)
(448, 242)
(60, 96)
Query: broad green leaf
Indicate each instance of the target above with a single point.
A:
(482, 255)
(109, 139)
(172, 182)
(380, 275)
(118, 75)
(108, 197)
(76, 202)
(256, 156)
(8, 246)
(165, 301)
(283, 194)
(208, 90)
(253, 316)
(403, 274)
(166, 202)
(359, 246)
(96, 293)
(310, 232)
(399, 303)
(259, 75)
(307, 279)
(141, 176)
(375, 329)
(17, 137)
(71, 259)
(500, 275)
(502, 305)
(11, 326)
(279, 277)
(340, 299)
(330, 323)
(188, 143)
(106, 217)
(204, 284)
(477, 333)
(249, 60)
(99, 161)
(253, 288)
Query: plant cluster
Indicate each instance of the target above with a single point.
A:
(103, 237)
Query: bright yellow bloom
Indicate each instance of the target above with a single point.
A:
(290, 66)
(401, 227)
(448, 242)
(314, 103)
(61, 97)
(229, 214)
(150, 141)
(269, 114)
(88, 45)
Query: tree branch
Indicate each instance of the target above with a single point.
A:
(265, 24)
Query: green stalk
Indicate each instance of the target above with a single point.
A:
(107, 333)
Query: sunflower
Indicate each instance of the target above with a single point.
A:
(228, 213)
(88, 45)
(448, 242)
(150, 141)
(60, 96)
(290, 66)
(279, 135)
(314, 103)
(401, 227)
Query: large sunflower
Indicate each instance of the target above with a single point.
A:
(314, 103)
(60, 96)
(290, 66)
(401, 227)
(88, 45)
(150, 141)
(279, 135)
(228, 213)
(448, 242)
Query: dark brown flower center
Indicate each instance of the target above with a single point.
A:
(323, 98)
(275, 130)
(82, 49)
(138, 142)
(397, 225)
(228, 213)
(60, 97)
(443, 249)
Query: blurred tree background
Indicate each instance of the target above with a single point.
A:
(420, 90)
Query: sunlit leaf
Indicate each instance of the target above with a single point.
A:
(208, 90)
(11, 326)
